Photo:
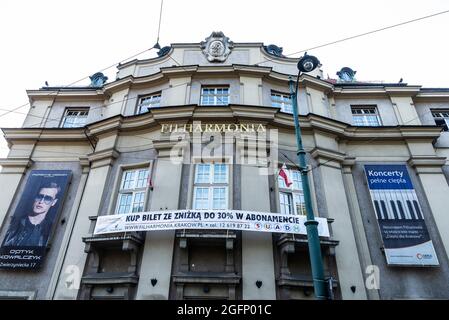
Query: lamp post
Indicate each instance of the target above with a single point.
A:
(306, 64)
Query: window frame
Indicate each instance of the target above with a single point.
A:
(441, 117)
(215, 95)
(74, 109)
(282, 107)
(364, 115)
(142, 97)
(211, 185)
(114, 207)
(291, 192)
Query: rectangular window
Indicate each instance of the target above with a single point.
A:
(133, 187)
(365, 116)
(75, 117)
(214, 96)
(291, 199)
(282, 101)
(285, 201)
(211, 186)
(441, 118)
(148, 102)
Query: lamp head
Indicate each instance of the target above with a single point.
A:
(308, 63)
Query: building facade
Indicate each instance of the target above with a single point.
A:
(182, 131)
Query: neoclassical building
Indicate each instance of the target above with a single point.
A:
(198, 127)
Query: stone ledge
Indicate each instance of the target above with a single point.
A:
(427, 164)
(299, 281)
(109, 278)
(328, 157)
(15, 165)
(207, 278)
(102, 158)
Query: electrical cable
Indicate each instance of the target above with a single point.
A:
(266, 60)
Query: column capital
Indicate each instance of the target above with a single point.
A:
(165, 148)
(15, 165)
(347, 164)
(327, 157)
(85, 164)
(427, 164)
(101, 158)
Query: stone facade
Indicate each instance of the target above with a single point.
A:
(226, 264)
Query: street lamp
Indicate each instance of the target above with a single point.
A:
(307, 64)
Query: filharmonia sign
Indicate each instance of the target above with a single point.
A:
(207, 219)
(198, 127)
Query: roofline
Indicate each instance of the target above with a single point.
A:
(333, 88)
(197, 45)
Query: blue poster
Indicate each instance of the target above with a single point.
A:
(400, 217)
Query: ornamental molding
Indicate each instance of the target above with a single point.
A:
(217, 47)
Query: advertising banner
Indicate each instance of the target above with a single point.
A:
(32, 224)
(400, 217)
(207, 219)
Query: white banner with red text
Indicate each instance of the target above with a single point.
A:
(207, 219)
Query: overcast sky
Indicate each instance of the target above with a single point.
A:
(63, 41)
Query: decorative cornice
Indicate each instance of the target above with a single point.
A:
(427, 164)
(86, 94)
(166, 148)
(104, 126)
(348, 163)
(44, 134)
(326, 157)
(85, 164)
(102, 158)
(432, 96)
(15, 165)
(266, 113)
(236, 69)
(409, 91)
(429, 132)
(151, 61)
(272, 117)
(375, 91)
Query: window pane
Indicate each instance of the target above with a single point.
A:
(300, 207)
(125, 203)
(358, 121)
(287, 108)
(219, 198)
(128, 179)
(220, 173)
(214, 96)
(365, 116)
(294, 177)
(285, 202)
(297, 184)
(281, 182)
(201, 198)
(283, 101)
(138, 203)
(153, 101)
(366, 120)
(202, 173)
(142, 179)
(75, 118)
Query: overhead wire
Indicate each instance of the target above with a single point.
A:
(237, 67)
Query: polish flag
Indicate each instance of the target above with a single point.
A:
(283, 173)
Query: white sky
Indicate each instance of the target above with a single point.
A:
(63, 41)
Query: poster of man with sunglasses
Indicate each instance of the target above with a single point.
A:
(33, 220)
